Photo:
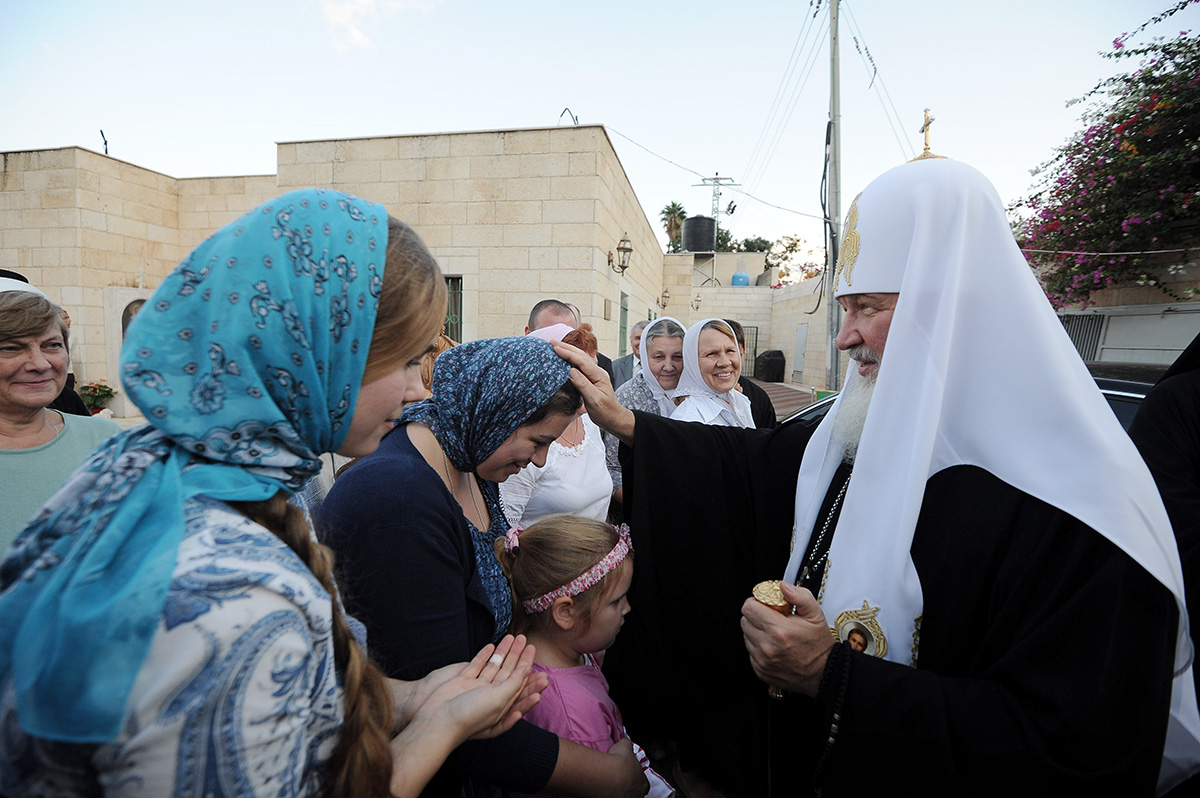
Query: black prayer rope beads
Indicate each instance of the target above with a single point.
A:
(835, 680)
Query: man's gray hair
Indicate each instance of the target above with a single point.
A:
(641, 325)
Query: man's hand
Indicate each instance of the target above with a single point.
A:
(598, 395)
(788, 651)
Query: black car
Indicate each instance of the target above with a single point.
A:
(1124, 385)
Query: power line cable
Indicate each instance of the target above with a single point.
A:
(883, 105)
(655, 154)
(791, 109)
(881, 91)
(780, 91)
(776, 207)
(725, 188)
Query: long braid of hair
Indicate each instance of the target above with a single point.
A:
(362, 762)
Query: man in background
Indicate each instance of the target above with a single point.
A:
(624, 368)
(554, 311)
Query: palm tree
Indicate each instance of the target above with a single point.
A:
(672, 218)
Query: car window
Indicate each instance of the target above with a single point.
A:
(1125, 407)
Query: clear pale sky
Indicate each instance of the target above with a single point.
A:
(206, 89)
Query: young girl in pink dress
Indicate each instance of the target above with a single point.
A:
(569, 577)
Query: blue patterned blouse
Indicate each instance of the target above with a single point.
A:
(238, 695)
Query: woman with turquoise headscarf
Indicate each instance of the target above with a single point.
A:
(167, 619)
(414, 527)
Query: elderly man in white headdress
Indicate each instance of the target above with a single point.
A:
(988, 597)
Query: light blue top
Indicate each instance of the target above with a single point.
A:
(28, 477)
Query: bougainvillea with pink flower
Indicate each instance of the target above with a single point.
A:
(1126, 185)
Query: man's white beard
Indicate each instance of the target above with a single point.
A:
(852, 414)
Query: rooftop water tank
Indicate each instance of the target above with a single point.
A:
(699, 234)
(740, 278)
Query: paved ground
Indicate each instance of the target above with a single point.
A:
(786, 398)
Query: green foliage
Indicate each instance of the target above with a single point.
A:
(96, 394)
(672, 216)
(792, 259)
(755, 244)
(725, 242)
(1128, 183)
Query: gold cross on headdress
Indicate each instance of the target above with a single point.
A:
(925, 129)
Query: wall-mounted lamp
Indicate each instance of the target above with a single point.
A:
(621, 262)
(696, 303)
(664, 299)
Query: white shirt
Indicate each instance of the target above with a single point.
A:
(574, 480)
(710, 410)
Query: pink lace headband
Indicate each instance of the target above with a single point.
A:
(589, 578)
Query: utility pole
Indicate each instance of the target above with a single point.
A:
(716, 181)
(833, 363)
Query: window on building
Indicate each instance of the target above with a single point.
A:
(623, 325)
(454, 307)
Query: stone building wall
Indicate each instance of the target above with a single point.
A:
(74, 222)
(790, 311)
(519, 215)
(206, 204)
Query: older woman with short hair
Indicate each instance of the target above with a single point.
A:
(39, 447)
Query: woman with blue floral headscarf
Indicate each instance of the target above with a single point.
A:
(167, 623)
(414, 527)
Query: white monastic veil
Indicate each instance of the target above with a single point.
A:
(665, 398)
(692, 385)
(971, 328)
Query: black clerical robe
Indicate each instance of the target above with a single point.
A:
(1166, 431)
(761, 407)
(1044, 658)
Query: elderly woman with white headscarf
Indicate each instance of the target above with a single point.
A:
(712, 363)
(653, 388)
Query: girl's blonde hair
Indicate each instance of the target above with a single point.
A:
(551, 553)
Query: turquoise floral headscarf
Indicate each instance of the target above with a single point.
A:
(247, 362)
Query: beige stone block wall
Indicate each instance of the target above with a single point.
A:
(677, 278)
(78, 224)
(129, 238)
(207, 204)
(73, 222)
(790, 307)
(620, 213)
(750, 305)
(727, 263)
(520, 215)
